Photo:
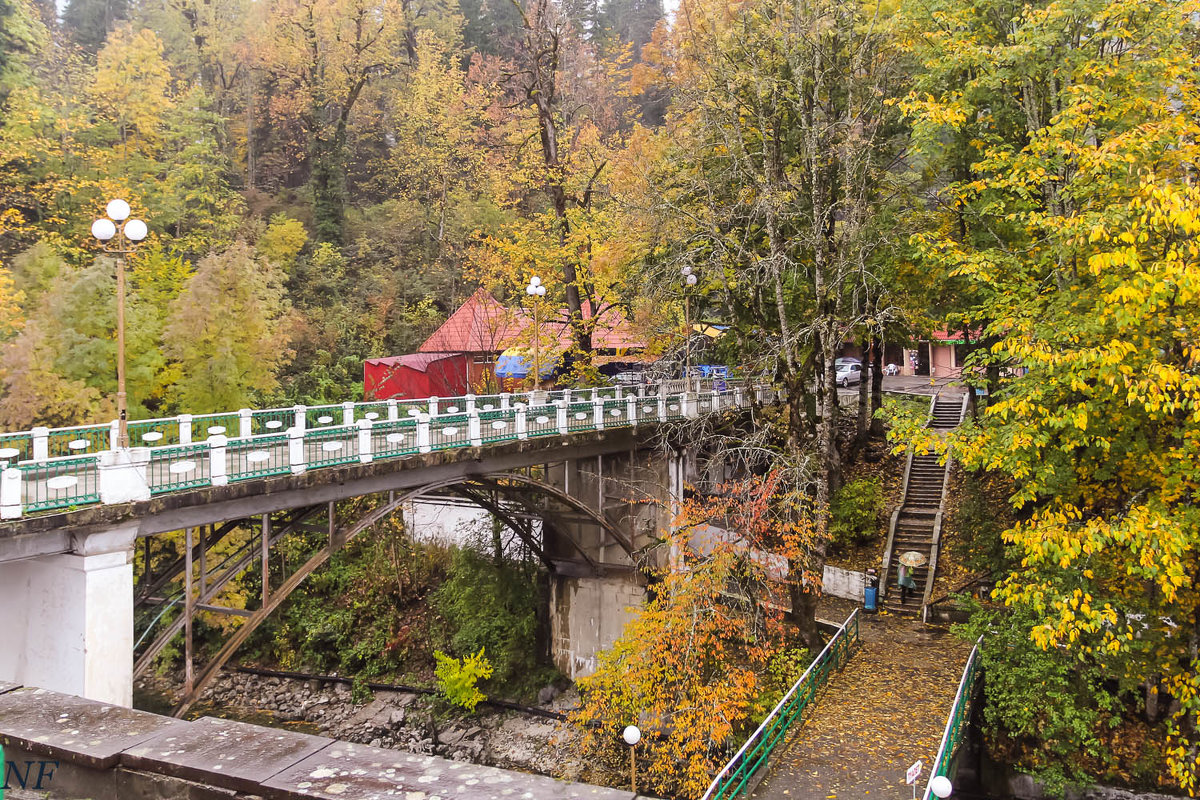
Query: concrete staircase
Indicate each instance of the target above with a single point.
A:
(916, 524)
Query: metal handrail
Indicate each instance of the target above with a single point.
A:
(776, 723)
(952, 736)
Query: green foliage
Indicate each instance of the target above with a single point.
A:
(458, 679)
(855, 510)
(492, 603)
(982, 544)
(1046, 709)
(363, 614)
(228, 330)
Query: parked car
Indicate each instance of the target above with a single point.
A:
(848, 373)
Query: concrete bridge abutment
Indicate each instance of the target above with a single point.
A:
(68, 620)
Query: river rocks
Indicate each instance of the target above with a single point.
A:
(405, 721)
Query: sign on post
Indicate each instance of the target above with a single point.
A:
(911, 776)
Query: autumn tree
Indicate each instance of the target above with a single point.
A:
(228, 331)
(555, 71)
(326, 52)
(703, 660)
(1070, 130)
(780, 141)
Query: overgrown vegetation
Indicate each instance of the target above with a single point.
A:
(490, 602)
(855, 511)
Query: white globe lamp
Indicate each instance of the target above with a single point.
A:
(135, 230)
(104, 229)
(632, 735)
(117, 210)
(941, 786)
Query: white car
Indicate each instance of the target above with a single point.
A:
(848, 373)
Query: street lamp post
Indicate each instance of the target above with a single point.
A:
(536, 290)
(632, 735)
(121, 236)
(689, 279)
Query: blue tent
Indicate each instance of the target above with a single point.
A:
(517, 363)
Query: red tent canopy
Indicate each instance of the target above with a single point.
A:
(415, 375)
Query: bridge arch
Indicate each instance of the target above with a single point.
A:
(470, 488)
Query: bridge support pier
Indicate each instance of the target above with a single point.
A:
(68, 624)
(588, 614)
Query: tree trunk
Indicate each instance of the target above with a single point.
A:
(876, 429)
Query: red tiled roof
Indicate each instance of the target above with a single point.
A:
(482, 324)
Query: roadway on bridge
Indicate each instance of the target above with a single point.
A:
(886, 709)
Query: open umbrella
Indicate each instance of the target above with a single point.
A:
(913, 559)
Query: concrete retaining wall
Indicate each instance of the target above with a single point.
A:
(844, 583)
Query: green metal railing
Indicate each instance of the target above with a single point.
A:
(173, 469)
(956, 723)
(65, 473)
(59, 483)
(756, 752)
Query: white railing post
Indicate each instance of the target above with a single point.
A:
(691, 405)
(114, 434)
(364, 441)
(393, 410)
(433, 406)
(121, 475)
(185, 428)
(296, 450)
(218, 468)
(301, 421)
(245, 418)
(716, 400)
(41, 443)
(662, 401)
(739, 397)
(618, 393)
(469, 403)
(598, 411)
(505, 400)
(347, 413)
(566, 398)
(473, 431)
(522, 424)
(423, 442)
(10, 493)
(562, 416)
(631, 402)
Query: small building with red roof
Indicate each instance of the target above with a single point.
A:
(468, 343)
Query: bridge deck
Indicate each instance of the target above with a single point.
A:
(886, 709)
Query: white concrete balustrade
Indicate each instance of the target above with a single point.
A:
(49, 469)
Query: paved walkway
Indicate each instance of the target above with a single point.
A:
(884, 711)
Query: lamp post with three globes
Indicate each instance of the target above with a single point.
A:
(536, 290)
(689, 280)
(120, 236)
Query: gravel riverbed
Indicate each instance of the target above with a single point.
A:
(400, 721)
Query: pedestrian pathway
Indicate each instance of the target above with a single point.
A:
(883, 711)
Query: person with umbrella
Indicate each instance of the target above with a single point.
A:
(904, 573)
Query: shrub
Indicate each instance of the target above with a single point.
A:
(855, 510)
(491, 605)
(458, 681)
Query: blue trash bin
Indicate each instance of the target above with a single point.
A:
(871, 591)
